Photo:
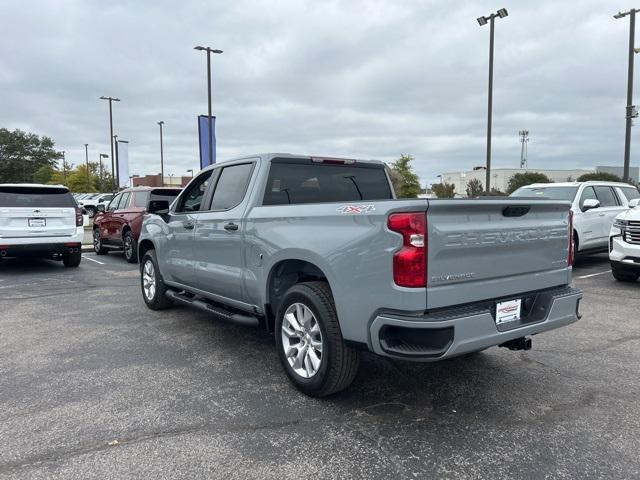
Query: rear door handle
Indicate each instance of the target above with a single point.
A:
(231, 227)
(188, 225)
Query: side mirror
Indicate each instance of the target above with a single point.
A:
(159, 207)
(101, 200)
(590, 203)
(100, 208)
(634, 203)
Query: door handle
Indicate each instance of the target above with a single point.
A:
(231, 227)
(188, 225)
(601, 214)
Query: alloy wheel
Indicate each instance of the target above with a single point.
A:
(149, 280)
(302, 340)
(97, 242)
(128, 246)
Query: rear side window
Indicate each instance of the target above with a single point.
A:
(630, 192)
(292, 183)
(231, 186)
(29, 197)
(606, 196)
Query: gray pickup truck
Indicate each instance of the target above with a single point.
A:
(319, 252)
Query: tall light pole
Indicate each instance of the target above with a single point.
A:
(161, 123)
(209, 52)
(102, 155)
(64, 167)
(630, 110)
(114, 173)
(483, 21)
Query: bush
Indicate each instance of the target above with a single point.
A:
(474, 188)
(444, 190)
(526, 178)
(602, 176)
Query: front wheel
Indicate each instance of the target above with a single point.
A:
(130, 247)
(309, 341)
(153, 288)
(623, 276)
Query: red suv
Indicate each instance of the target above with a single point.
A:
(118, 226)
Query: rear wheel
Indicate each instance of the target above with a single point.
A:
(130, 247)
(71, 259)
(309, 341)
(97, 243)
(624, 275)
(153, 288)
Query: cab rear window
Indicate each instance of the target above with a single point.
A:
(30, 197)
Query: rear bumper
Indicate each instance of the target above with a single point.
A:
(452, 332)
(39, 249)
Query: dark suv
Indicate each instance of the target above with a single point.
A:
(118, 226)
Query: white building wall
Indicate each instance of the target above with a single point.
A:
(500, 177)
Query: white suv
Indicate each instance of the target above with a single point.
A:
(595, 206)
(40, 221)
(90, 204)
(624, 244)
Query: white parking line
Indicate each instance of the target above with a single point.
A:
(92, 260)
(594, 274)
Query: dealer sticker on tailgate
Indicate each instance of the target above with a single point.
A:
(508, 311)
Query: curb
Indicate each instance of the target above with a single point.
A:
(87, 248)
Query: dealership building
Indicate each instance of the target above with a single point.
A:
(500, 176)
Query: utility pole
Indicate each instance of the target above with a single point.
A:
(524, 138)
(483, 21)
(64, 167)
(86, 155)
(630, 109)
(209, 52)
(102, 155)
(114, 173)
(161, 122)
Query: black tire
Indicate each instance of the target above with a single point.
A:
(623, 275)
(97, 243)
(157, 301)
(72, 259)
(91, 212)
(130, 247)
(574, 252)
(339, 362)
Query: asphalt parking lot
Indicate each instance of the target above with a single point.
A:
(95, 385)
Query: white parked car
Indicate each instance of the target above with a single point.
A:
(91, 203)
(595, 206)
(624, 244)
(40, 221)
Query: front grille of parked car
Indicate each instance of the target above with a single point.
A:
(631, 232)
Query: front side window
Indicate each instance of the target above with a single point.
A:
(231, 186)
(192, 198)
(587, 194)
(114, 203)
(606, 196)
(124, 201)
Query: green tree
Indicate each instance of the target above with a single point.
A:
(44, 174)
(444, 190)
(22, 154)
(474, 188)
(603, 176)
(526, 178)
(405, 181)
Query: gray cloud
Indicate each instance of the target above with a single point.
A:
(364, 79)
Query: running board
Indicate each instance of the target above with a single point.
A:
(209, 307)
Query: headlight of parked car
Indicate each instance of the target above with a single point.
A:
(620, 224)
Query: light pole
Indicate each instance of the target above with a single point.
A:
(64, 167)
(483, 21)
(170, 179)
(114, 174)
(209, 52)
(161, 123)
(86, 155)
(630, 111)
(190, 171)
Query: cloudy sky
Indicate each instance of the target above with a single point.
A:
(363, 79)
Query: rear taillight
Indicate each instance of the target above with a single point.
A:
(79, 220)
(571, 252)
(410, 262)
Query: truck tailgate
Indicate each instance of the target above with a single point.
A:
(486, 249)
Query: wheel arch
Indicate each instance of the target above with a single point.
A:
(144, 246)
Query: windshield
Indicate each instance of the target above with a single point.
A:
(31, 197)
(548, 193)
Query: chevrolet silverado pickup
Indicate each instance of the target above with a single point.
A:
(320, 252)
